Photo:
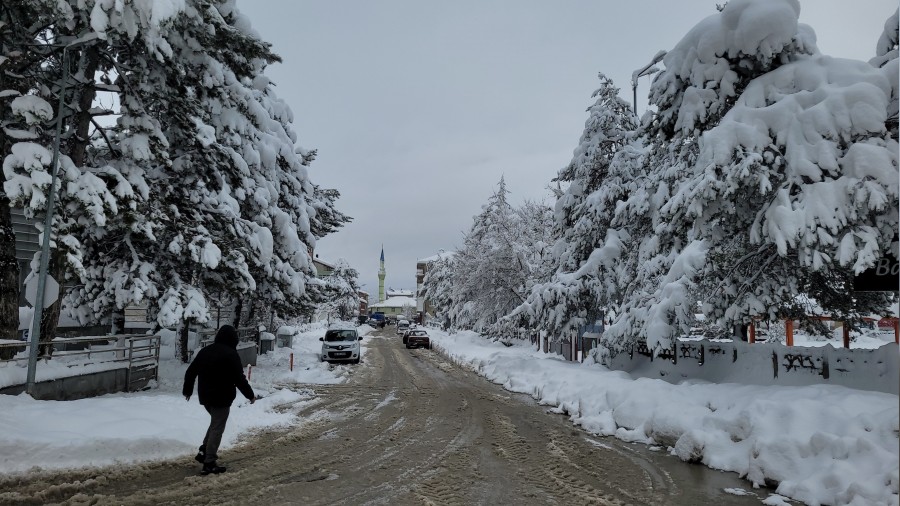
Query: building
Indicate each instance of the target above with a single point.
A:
(363, 302)
(395, 306)
(422, 267)
(323, 268)
(391, 292)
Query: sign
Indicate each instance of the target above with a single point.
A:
(51, 291)
(886, 323)
(883, 277)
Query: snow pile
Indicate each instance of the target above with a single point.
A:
(817, 444)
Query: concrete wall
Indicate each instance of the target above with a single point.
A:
(767, 364)
(76, 387)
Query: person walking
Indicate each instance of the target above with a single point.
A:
(220, 373)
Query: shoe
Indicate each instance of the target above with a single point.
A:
(201, 455)
(212, 468)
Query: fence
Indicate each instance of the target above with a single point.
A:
(765, 364)
(138, 354)
(248, 343)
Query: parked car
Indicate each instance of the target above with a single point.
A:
(417, 338)
(340, 345)
(402, 326)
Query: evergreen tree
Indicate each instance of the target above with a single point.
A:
(438, 285)
(754, 194)
(501, 257)
(581, 266)
(57, 50)
(198, 189)
(342, 291)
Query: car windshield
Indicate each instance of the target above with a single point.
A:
(340, 335)
(418, 333)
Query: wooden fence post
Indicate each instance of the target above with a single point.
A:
(751, 338)
(846, 329)
(789, 332)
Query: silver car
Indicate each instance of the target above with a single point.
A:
(340, 345)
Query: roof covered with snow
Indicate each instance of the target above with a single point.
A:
(396, 302)
(440, 256)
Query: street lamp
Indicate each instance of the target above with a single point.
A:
(48, 218)
(646, 70)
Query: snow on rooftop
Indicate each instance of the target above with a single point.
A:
(395, 302)
(439, 256)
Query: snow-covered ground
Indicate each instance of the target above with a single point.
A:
(821, 444)
(156, 424)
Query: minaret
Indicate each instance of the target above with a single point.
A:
(381, 274)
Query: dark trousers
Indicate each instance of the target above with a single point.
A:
(217, 419)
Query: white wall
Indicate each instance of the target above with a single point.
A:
(769, 364)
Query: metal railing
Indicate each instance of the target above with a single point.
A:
(138, 352)
(245, 335)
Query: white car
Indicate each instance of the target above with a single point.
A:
(402, 326)
(340, 345)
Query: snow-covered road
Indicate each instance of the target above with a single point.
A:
(407, 427)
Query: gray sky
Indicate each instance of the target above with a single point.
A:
(418, 107)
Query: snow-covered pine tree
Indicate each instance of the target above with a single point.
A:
(502, 256)
(887, 52)
(438, 285)
(16, 37)
(584, 254)
(230, 198)
(61, 43)
(213, 195)
(327, 218)
(762, 186)
(342, 291)
(486, 287)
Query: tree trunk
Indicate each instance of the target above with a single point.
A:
(9, 274)
(252, 314)
(50, 315)
(117, 323)
(183, 334)
(9, 279)
(75, 147)
(238, 308)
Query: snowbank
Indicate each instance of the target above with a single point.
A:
(817, 444)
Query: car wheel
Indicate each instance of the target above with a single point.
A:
(356, 361)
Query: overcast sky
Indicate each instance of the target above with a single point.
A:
(418, 107)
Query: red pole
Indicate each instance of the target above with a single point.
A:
(292, 361)
(789, 331)
(846, 334)
(752, 337)
(896, 331)
(249, 370)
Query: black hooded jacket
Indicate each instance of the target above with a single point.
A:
(219, 368)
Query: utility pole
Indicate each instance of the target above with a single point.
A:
(48, 219)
